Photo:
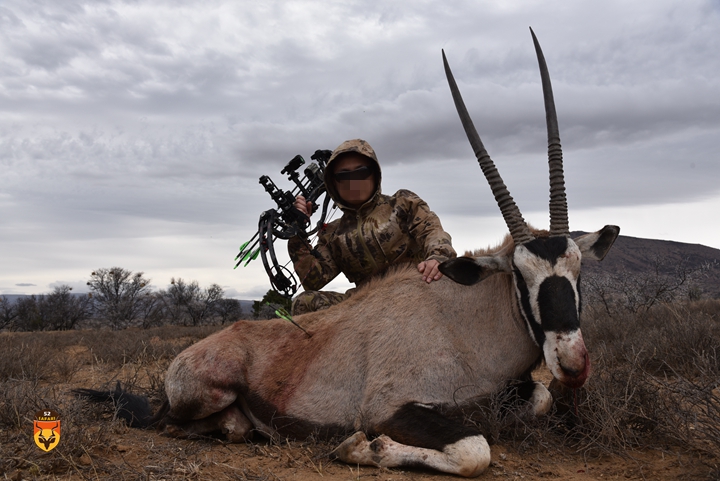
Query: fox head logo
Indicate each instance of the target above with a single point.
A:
(46, 432)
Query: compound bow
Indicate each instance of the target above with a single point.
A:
(285, 221)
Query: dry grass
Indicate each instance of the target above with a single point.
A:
(37, 371)
(655, 385)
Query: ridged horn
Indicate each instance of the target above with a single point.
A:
(559, 224)
(510, 211)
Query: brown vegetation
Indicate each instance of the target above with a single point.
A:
(667, 267)
(651, 409)
(119, 299)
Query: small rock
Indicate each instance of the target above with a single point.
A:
(84, 460)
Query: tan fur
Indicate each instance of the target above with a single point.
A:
(507, 245)
(397, 340)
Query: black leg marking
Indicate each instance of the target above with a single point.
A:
(425, 427)
(515, 393)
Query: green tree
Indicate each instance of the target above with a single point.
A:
(271, 301)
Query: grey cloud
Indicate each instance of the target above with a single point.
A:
(78, 287)
(126, 119)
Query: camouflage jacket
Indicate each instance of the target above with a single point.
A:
(387, 230)
(384, 231)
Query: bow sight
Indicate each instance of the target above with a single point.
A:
(285, 221)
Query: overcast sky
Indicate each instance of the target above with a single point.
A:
(133, 132)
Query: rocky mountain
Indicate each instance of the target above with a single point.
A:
(633, 255)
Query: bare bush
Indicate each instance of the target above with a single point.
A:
(64, 310)
(668, 337)
(655, 385)
(655, 382)
(31, 313)
(151, 310)
(25, 359)
(141, 346)
(228, 310)
(696, 404)
(635, 291)
(188, 304)
(27, 356)
(19, 401)
(119, 295)
(57, 311)
(119, 299)
(8, 313)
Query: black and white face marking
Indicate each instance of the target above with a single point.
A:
(546, 272)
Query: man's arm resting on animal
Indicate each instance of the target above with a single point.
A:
(426, 229)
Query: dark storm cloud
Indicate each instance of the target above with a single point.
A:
(154, 120)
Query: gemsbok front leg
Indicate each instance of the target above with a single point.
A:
(420, 436)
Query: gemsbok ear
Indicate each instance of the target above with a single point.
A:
(471, 270)
(596, 245)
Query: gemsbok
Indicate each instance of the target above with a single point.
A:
(398, 365)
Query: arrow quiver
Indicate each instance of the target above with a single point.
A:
(285, 221)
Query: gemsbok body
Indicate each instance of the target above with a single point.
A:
(398, 365)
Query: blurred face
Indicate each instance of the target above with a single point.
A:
(354, 178)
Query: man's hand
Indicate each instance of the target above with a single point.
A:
(302, 205)
(429, 270)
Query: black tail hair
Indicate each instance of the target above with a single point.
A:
(134, 409)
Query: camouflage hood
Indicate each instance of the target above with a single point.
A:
(384, 231)
(363, 148)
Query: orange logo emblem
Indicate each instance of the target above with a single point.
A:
(46, 432)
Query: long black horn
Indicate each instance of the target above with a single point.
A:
(510, 211)
(559, 224)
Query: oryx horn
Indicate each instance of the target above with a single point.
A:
(509, 209)
(559, 224)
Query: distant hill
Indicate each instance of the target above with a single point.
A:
(632, 255)
(13, 298)
(246, 305)
(637, 255)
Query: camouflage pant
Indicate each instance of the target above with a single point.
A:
(310, 301)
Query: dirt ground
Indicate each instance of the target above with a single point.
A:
(95, 446)
(137, 454)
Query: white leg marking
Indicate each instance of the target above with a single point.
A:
(468, 457)
(235, 425)
(541, 399)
